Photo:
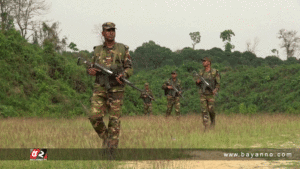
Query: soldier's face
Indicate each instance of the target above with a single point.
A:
(147, 87)
(109, 34)
(174, 75)
(205, 63)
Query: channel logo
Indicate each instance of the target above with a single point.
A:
(38, 154)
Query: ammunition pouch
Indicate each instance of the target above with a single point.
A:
(205, 87)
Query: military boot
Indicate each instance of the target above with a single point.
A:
(112, 145)
(105, 139)
(205, 121)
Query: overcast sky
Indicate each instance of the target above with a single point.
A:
(169, 22)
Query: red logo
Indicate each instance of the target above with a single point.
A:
(38, 154)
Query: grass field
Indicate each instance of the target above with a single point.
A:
(231, 131)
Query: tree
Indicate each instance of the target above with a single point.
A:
(226, 36)
(275, 50)
(25, 11)
(6, 8)
(290, 42)
(64, 43)
(44, 32)
(252, 48)
(72, 46)
(228, 47)
(195, 36)
(248, 58)
(150, 56)
(273, 60)
(98, 31)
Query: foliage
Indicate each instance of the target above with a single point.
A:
(226, 36)
(72, 46)
(290, 41)
(195, 36)
(245, 89)
(150, 56)
(275, 51)
(40, 82)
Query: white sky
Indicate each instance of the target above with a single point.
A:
(169, 22)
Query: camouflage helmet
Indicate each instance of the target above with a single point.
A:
(206, 59)
(146, 84)
(174, 72)
(108, 25)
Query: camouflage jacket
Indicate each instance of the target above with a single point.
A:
(172, 92)
(146, 99)
(212, 77)
(116, 59)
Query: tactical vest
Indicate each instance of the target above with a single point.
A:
(210, 77)
(147, 99)
(112, 59)
(173, 92)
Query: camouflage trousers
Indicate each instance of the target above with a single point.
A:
(103, 103)
(148, 108)
(207, 108)
(173, 101)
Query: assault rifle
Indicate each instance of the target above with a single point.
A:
(205, 83)
(176, 90)
(107, 73)
(144, 93)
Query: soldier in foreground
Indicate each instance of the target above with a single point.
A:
(147, 100)
(172, 95)
(207, 95)
(109, 90)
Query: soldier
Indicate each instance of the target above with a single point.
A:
(172, 95)
(207, 96)
(108, 97)
(147, 99)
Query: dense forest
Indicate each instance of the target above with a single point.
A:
(44, 82)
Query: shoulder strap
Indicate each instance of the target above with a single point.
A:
(119, 48)
(98, 52)
(214, 71)
(202, 72)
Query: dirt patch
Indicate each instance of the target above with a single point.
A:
(207, 164)
(256, 146)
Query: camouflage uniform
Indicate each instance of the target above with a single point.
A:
(207, 99)
(109, 100)
(147, 100)
(172, 96)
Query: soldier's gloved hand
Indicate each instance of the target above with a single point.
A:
(198, 81)
(170, 87)
(118, 78)
(93, 71)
